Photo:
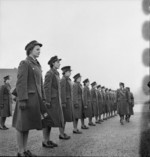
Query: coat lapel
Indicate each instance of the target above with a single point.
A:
(34, 63)
(122, 92)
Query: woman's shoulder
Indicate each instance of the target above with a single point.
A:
(23, 63)
(2, 87)
(49, 73)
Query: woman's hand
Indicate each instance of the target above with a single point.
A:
(85, 107)
(22, 105)
(48, 104)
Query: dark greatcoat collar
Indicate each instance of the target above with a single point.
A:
(34, 61)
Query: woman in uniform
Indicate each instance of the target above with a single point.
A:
(131, 104)
(53, 100)
(5, 102)
(103, 102)
(94, 101)
(30, 97)
(87, 102)
(100, 107)
(77, 102)
(66, 98)
(122, 100)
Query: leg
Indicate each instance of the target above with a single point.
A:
(75, 123)
(25, 139)
(121, 119)
(3, 119)
(46, 138)
(61, 131)
(90, 120)
(62, 135)
(20, 142)
(82, 122)
(46, 134)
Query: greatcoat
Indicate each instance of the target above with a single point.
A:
(77, 101)
(67, 98)
(94, 102)
(100, 102)
(5, 100)
(87, 102)
(29, 88)
(122, 99)
(53, 96)
(131, 103)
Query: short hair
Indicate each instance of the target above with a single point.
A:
(29, 51)
(51, 65)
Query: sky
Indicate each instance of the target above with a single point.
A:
(101, 39)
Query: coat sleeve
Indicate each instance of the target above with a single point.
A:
(117, 96)
(2, 95)
(91, 95)
(75, 94)
(85, 102)
(128, 97)
(132, 99)
(48, 86)
(22, 81)
(63, 91)
(43, 92)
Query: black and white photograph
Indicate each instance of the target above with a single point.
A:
(74, 78)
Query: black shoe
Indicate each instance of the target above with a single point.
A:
(66, 137)
(29, 154)
(98, 122)
(84, 127)
(92, 124)
(52, 143)
(48, 145)
(77, 132)
(5, 127)
(121, 122)
(20, 155)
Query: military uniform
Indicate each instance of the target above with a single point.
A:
(87, 102)
(100, 101)
(122, 102)
(77, 101)
(29, 88)
(53, 96)
(67, 98)
(94, 102)
(5, 100)
(131, 104)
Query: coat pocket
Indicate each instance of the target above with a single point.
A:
(54, 93)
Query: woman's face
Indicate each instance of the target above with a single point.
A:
(79, 79)
(121, 86)
(87, 84)
(8, 81)
(35, 52)
(94, 86)
(68, 73)
(56, 65)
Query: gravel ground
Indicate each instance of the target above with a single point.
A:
(107, 139)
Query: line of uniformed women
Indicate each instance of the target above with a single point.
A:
(57, 101)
